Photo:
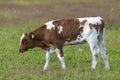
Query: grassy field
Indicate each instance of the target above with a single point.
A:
(29, 66)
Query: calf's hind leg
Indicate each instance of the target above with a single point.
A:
(103, 52)
(94, 49)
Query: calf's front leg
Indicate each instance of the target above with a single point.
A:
(61, 57)
(48, 57)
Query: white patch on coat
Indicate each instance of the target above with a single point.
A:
(87, 32)
(60, 28)
(78, 40)
(23, 35)
(50, 25)
(93, 20)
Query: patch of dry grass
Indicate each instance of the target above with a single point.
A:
(34, 13)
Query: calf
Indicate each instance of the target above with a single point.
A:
(53, 35)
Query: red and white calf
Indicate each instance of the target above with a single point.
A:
(53, 35)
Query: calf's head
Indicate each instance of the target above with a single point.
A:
(26, 42)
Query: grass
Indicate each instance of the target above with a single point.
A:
(29, 65)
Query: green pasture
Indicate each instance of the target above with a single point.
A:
(29, 65)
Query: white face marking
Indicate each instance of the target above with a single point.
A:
(23, 35)
(60, 28)
(50, 25)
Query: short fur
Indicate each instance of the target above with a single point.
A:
(53, 35)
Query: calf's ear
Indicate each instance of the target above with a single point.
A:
(32, 35)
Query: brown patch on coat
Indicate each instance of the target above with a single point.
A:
(103, 24)
(70, 29)
(43, 37)
(99, 28)
(96, 26)
(81, 29)
(90, 25)
(83, 22)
